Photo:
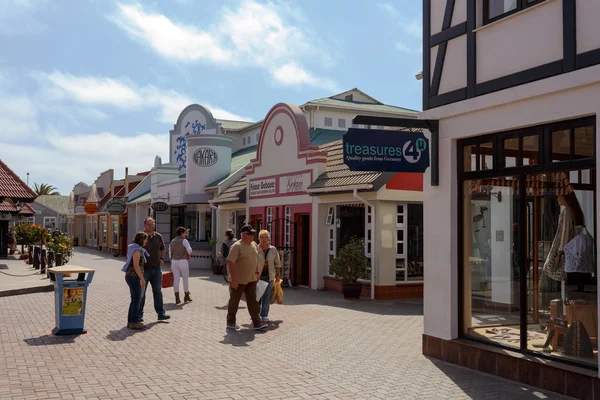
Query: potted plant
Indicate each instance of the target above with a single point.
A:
(215, 266)
(351, 265)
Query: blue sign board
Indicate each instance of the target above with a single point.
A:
(385, 151)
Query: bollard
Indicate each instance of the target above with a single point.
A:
(36, 257)
(43, 261)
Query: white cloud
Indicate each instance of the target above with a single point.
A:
(122, 94)
(292, 74)
(388, 9)
(72, 161)
(254, 34)
(18, 117)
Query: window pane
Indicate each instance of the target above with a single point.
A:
(555, 219)
(399, 248)
(490, 260)
(400, 234)
(400, 273)
(531, 150)
(486, 157)
(470, 158)
(499, 7)
(511, 152)
(561, 145)
(584, 142)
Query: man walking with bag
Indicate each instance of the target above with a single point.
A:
(155, 246)
(242, 264)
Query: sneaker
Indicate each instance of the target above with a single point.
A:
(234, 327)
(163, 317)
(265, 319)
(260, 326)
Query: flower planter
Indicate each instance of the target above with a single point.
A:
(352, 290)
(59, 260)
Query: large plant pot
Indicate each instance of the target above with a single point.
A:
(216, 269)
(59, 259)
(352, 290)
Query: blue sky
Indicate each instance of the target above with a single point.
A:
(90, 85)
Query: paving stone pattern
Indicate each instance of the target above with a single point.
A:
(319, 347)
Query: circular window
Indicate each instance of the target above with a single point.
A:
(279, 135)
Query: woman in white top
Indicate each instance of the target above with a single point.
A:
(180, 252)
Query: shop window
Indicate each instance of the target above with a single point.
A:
(95, 230)
(288, 226)
(368, 231)
(331, 238)
(104, 231)
(270, 220)
(341, 123)
(328, 121)
(115, 231)
(31, 220)
(511, 152)
(478, 157)
(400, 236)
(528, 263)
(415, 242)
(329, 219)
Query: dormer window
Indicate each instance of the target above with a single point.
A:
(494, 10)
(349, 97)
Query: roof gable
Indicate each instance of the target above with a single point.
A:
(56, 203)
(359, 93)
(11, 186)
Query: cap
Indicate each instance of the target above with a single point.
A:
(248, 229)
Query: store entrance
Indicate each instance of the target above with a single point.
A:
(303, 249)
(352, 224)
(3, 239)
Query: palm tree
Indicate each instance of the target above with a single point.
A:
(45, 189)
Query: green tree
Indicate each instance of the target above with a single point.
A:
(44, 189)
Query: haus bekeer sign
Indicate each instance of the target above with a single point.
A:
(385, 150)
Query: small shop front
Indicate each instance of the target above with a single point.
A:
(277, 198)
(513, 227)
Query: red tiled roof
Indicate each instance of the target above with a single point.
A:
(9, 206)
(143, 173)
(12, 186)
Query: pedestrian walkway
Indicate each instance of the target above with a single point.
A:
(317, 347)
(16, 277)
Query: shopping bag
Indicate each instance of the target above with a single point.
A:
(167, 280)
(261, 286)
(277, 295)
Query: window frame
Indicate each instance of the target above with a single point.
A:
(545, 165)
(521, 5)
(325, 119)
(342, 121)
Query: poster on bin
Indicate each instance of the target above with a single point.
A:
(72, 302)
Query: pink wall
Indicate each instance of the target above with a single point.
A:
(279, 212)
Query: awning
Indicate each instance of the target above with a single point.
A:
(236, 193)
(145, 198)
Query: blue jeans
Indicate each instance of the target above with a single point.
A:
(153, 276)
(265, 301)
(135, 289)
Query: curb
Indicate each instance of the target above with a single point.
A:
(36, 289)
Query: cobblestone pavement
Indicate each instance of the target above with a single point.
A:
(320, 347)
(16, 276)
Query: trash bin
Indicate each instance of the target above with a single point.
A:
(70, 293)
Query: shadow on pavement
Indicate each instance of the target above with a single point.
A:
(464, 378)
(52, 340)
(246, 335)
(125, 332)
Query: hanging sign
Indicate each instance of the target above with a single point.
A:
(90, 208)
(159, 206)
(116, 207)
(385, 151)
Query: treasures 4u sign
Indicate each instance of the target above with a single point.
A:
(385, 151)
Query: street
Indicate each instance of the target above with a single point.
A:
(319, 347)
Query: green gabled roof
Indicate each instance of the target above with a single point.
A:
(319, 137)
(361, 106)
(234, 125)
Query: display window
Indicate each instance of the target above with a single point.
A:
(527, 257)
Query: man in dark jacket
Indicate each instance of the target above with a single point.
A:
(155, 246)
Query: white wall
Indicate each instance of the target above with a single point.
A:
(588, 29)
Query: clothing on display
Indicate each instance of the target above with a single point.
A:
(579, 253)
(554, 266)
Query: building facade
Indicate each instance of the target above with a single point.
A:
(517, 141)
(51, 212)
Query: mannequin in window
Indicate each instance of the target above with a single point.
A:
(571, 216)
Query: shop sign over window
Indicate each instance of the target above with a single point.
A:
(263, 187)
(116, 207)
(385, 150)
(294, 183)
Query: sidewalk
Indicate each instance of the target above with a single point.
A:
(17, 278)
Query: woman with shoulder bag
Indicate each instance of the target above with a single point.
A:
(270, 264)
(134, 276)
(229, 240)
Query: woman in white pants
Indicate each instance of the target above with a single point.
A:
(179, 253)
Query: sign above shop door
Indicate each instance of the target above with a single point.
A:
(385, 150)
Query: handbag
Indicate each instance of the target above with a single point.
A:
(167, 280)
(261, 287)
